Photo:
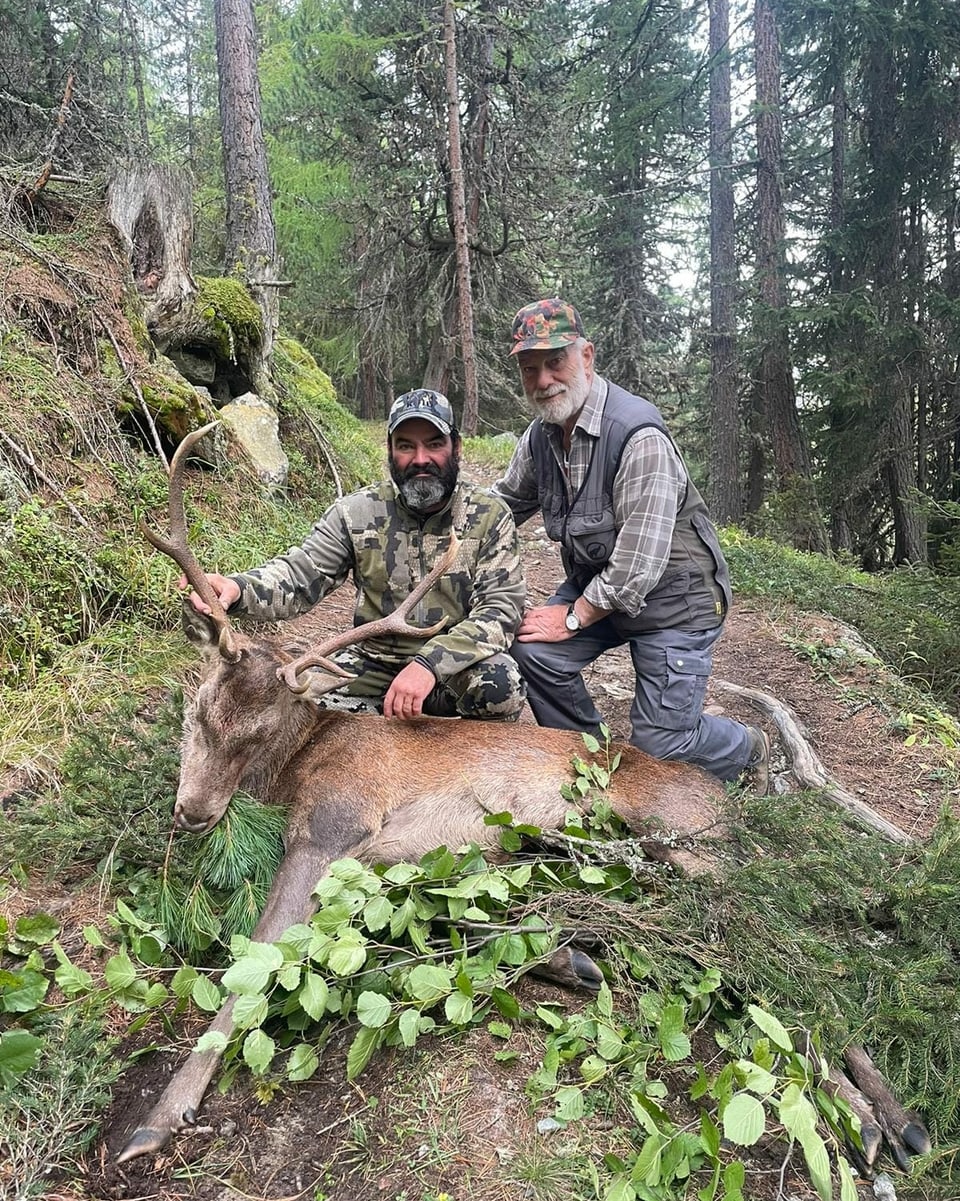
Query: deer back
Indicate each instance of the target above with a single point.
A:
(414, 785)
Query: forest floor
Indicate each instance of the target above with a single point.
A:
(447, 1121)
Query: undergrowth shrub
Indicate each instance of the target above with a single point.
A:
(57, 588)
(112, 814)
(910, 616)
(49, 1113)
(840, 954)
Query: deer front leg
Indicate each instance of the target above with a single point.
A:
(290, 901)
(902, 1128)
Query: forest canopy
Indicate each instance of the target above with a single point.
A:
(755, 210)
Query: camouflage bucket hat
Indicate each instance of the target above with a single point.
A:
(429, 406)
(545, 325)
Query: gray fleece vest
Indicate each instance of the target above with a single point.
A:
(694, 590)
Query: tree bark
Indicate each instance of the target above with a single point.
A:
(151, 206)
(471, 400)
(895, 402)
(251, 245)
(436, 374)
(725, 422)
(137, 71)
(774, 379)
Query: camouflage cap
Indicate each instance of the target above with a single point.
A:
(545, 325)
(421, 402)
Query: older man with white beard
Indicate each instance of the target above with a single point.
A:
(642, 560)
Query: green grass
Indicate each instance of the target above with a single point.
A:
(492, 451)
(49, 1117)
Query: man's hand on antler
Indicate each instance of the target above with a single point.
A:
(228, 591)
(409, 690)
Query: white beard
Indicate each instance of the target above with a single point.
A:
(558, 403)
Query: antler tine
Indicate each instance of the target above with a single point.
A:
(394, 623)
(176, 547)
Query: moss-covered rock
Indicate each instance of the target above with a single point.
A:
(307, 393)
(231, 315)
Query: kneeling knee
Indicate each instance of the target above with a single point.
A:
(497, 693)
(660, 742)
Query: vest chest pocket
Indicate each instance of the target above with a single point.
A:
(591, 536)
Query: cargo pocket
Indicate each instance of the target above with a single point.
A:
(684, 689)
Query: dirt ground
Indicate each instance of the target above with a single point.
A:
(447, 1121)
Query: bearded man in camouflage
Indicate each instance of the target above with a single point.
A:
(388, 536)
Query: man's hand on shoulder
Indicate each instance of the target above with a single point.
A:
(410, 688)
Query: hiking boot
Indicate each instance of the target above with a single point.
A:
(756, 775)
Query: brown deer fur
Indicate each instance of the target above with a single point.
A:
(379, 790)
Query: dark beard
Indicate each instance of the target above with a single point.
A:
(425, 495)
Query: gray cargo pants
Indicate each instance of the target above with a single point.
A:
(667, 718)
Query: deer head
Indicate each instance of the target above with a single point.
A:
(256, 702)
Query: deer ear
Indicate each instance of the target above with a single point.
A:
(322, 682)
(199, 628)
(210, 635)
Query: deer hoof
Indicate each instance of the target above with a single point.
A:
(883, 1118)
(146, 1140)
(570, 969)
(915, 1135)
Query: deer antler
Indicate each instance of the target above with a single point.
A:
(393, 623)
(177, 547)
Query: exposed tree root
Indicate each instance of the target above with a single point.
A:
(806, 764)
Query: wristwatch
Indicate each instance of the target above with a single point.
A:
(572, 621)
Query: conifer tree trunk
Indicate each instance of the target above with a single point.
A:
(251, 246)
(774, 375)
(457, 195)
(724, 417)
(891, 390)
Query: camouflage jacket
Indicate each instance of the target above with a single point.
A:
(388, 549)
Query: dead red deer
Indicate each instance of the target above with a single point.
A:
(375, 789)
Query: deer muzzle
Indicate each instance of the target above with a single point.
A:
(193, 823)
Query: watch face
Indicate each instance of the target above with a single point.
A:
(572, 621)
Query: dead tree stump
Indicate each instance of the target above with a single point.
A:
(151, 206)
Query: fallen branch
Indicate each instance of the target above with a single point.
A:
(43, 178)
(807, 766)
(26, 457)
(325, 450)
